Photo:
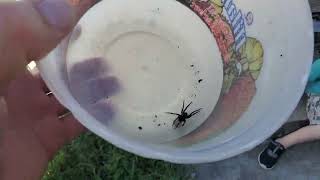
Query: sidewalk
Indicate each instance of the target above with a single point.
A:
(299, 163)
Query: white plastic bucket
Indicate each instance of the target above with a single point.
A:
(266, 49)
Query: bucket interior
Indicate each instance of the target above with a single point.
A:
(266, 57)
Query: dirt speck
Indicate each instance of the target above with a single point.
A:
(144, 68)
(140, 128)
(191, 65)
(156, 116)
(200, 80)
(159, 125)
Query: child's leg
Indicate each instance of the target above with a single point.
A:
(305, 134)
(271, 154)
(308, 133)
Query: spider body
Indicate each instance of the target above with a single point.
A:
(181, 119)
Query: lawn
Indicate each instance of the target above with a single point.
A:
(91, 158)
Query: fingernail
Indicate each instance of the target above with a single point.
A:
(57, 13)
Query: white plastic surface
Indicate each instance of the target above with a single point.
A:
(158, 63)
(284, 27)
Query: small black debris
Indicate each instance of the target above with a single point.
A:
(200, 80)
(140, 128)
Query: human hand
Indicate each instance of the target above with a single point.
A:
(32, 132)
(29, 29)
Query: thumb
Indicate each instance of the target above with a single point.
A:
(30, 29)
(46, 22)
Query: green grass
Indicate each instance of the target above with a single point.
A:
(91, 158)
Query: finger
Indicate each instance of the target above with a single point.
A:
(36, 27)
(54, 133)
(72, 128)
(42, 84)
(51, 21)
(51, 134)
(56, 107)
(26, 101)
(30, 29)
(4, 119)
(25, 87)
(59, 109)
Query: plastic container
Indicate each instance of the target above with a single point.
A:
(266, 56)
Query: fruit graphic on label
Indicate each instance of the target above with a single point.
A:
(229, 109)
(251, 55)
(218, 25)
(241, 69)
(231, 73)
(218, 5)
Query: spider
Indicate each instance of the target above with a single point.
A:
(183, 116)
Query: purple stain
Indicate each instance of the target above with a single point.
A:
(88, 69)
(92, 87)
(103, 111)
(92, 91)
(90, 83)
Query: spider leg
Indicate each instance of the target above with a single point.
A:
(187, 106)
(182, 107)
(173, 113)
(194, 113)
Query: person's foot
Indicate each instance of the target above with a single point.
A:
(270, 155)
